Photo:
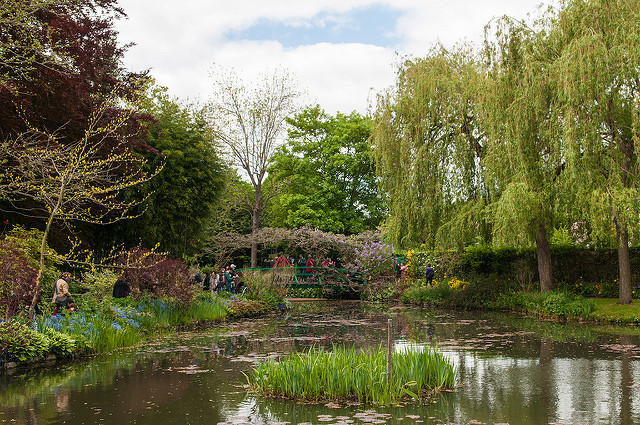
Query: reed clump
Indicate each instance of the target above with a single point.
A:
(353, 374)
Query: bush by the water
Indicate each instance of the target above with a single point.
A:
(458, 293)
(350, 373)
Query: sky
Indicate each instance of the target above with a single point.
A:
(341, 52)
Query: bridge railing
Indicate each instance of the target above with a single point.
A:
(318, 276)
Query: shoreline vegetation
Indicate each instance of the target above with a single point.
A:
(77, 334)
(123, 323)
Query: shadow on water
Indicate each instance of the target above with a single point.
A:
(510, 370)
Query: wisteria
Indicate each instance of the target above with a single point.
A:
(375, 259)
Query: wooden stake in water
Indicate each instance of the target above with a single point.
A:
(389, 348)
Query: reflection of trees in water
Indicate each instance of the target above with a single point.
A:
(517, 368)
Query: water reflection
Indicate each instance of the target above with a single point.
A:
(511, 370)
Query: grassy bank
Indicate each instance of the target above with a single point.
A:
(608, 310)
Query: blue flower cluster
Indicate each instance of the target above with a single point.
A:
(75, 323)
(127, 316)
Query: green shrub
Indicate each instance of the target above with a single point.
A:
(563, 304)
(18, 342)
(270, 286)
(62, 344)
(557, 303)
(439, 294)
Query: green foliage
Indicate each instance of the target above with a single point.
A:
(249, 308)
(383, 289)
(202, 310)
(18, 342)
(296, 292)
(419, 294)
(553, 303)
(563, 304)
(183, 196)
(487, 260)
(417, 264)
(332, 182)
(62, 344)
(427, 144)
(270, 285)
(353, 374)
(97, 282)
(98, 285)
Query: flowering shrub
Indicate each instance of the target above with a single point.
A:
(154, 274)
(456, 284)
(17, 280)
(375, 259)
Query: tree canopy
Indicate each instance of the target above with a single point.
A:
(329, 167)
(428, 142)
(540, 129)
(183, 197)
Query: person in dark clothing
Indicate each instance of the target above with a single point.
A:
(428, 274)
(197, 278)
(228, 282)
(206, 282)
(120, 288)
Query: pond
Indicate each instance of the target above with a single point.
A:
(511, 370)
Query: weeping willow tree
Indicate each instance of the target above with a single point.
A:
(598, 75)
(524, 158)
(427, 146)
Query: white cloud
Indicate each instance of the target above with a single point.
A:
(181, 42)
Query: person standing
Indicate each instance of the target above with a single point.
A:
(282, 261)
(206, 282)
(215, 281)
(428, 274)
(120, 288)
(227, 279)
(61, 296)
(309, 270)
(197, 277)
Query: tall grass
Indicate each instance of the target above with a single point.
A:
(203, 310)
(349, 373)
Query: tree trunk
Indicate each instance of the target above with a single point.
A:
(624, 265)
(544, 259)
(255, 226)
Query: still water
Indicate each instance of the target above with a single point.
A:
(511, 370)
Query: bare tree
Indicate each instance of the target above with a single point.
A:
(78, 181)
(249, 122)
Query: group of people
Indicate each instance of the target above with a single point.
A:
(428, 273)
(301, 263)
(227, 280)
